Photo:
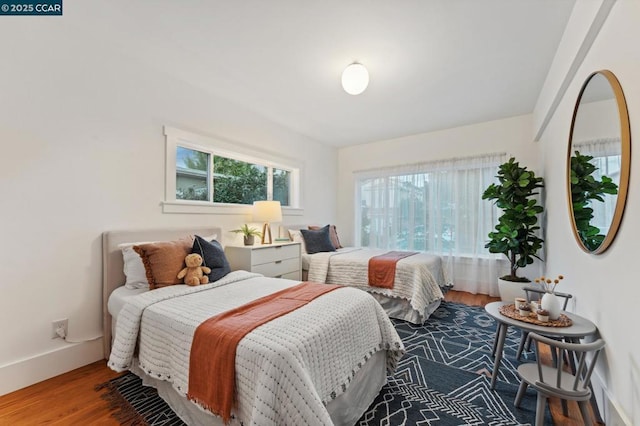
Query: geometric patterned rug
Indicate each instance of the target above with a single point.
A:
(443, 379)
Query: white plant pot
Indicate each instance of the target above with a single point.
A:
(551, 303)
(509, 290)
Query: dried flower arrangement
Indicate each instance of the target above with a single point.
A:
(548, 284)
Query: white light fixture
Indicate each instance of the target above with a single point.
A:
(355, 79)
(267, 211)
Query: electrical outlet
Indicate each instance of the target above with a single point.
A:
(64, 323)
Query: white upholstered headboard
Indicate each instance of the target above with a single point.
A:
(113, 265)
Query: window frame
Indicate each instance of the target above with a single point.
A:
(175, 138)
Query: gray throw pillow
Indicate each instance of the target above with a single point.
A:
(212, 256)
(317, 240)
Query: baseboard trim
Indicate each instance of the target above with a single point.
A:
(26, 372)
(610, 410)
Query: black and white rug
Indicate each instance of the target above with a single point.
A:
(443, 379)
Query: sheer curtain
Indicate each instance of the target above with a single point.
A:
(435, 207)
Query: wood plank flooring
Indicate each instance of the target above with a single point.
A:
(70, 399)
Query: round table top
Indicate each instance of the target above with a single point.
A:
(580, 327)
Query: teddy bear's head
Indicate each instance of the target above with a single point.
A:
(193, 260)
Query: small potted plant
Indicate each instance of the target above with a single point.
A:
(524, 310)
(543, 315)
(248, 233)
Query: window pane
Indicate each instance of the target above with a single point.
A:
(238, 182)
(191, 174)
(281, 186)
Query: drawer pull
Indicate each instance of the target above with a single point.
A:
(278, 261)
(278, 276)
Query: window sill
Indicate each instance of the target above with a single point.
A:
(195, 207)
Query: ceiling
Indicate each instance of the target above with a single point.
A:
(433, 64)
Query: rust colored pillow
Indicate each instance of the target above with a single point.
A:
(163, 261)
(333, 235)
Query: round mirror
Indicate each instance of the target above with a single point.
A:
(598, 161)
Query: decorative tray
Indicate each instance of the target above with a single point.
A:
(511, 312)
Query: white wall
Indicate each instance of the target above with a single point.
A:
(511, 135)
(606, 286)
(82, 153)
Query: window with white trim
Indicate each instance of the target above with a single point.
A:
(202, 171)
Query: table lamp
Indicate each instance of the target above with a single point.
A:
(267, 212)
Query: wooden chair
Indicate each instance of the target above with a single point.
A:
(553, 381)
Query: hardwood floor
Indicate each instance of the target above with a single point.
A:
(70, 399)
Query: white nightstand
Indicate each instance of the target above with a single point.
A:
(278, 260)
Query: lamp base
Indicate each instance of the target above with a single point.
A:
(266, 231)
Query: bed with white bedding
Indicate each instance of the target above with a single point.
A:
(418, 286)
(339, 346)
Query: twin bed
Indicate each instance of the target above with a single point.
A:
(418, 283)
(420, 279)
(323, 363)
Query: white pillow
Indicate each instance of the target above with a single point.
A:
(296, 236)
(133, 267)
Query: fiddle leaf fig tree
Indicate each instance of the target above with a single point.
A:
(515, 235)
(585, 188)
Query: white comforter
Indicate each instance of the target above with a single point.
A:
(286, 370)
(418, 277)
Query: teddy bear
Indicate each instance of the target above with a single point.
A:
(194, 273)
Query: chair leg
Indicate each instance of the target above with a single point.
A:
(521, 390)
(584, 410)
(540, 405)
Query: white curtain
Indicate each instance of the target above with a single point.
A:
(435, 207)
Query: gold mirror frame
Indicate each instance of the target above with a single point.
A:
(625, 151)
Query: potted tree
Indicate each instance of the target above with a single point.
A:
(248, 233)
(515, 234)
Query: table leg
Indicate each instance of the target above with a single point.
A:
(501, 336)
(523, 340)
(495, 340)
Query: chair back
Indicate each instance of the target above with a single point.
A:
(540, 292)
(562, 383)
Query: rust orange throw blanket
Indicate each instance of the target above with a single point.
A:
(382, 269)
(212, 372)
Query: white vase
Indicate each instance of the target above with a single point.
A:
(551, 303)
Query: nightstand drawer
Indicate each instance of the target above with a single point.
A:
(280, 267)
(271, 254)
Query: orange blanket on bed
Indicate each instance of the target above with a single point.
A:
(382, 269)
(212, 361)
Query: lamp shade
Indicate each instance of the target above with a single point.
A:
(355, 79)
(267, 211)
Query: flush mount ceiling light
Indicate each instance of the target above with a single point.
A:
(355, 79)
